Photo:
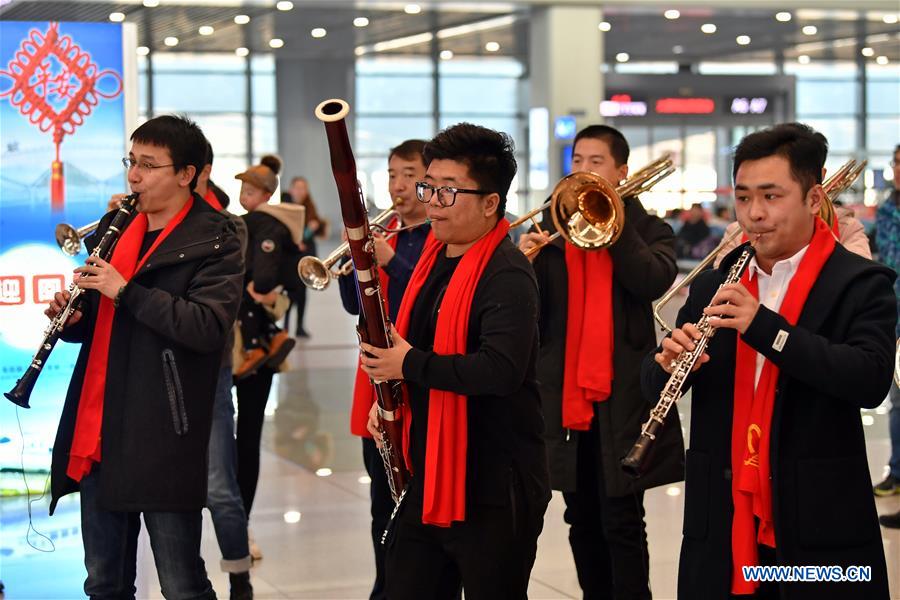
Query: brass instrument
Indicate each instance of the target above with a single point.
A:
(69, 239)
(834, 186)
(316, 273)
(587, 210)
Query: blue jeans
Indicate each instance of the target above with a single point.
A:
(894, 426)
(110, 548)
(224, 496)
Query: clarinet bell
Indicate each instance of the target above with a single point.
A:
(21, 393)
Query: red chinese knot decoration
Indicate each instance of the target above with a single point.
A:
(55, 85)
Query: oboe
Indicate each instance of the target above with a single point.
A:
(635, 460)
(373, 325)
(22, 390)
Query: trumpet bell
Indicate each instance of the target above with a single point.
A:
(314, 273)
(68, 239)
(587, 211)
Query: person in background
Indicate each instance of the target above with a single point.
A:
(693, 234)
(887, 238)
(316, 227)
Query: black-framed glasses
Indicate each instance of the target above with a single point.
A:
(143, 166)
(446, 194)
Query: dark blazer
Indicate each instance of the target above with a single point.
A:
(165, 354)
(643, 269)
(498, 375)
(837, 359)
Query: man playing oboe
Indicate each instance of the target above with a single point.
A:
(135, 426)
(804, 340)
(479, 484)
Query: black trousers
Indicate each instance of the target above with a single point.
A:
(607, 535)
(382, 506)
(491, 553)
(252, 396)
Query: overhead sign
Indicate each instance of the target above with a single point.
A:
(748, 106)
(622, 105)
(685, 106)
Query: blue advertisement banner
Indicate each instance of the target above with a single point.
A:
(62, 118)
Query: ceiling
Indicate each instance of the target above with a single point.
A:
(638, 29)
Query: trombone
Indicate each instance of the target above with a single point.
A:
(587, 210)
(69, 239)
(834, 186)
(316, 273)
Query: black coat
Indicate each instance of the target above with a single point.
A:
(837, 359)
(643, 269)
(168, 334)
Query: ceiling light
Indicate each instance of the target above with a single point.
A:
(276, 43)
(323, 472)
(242, 51)
(151, 3)
(867, 51)
(364, 479)
(318, 32)
(677, 49)
(284, 5)
(803, 59)
(672, 14)
(890, 19)
(492, 46)
(622, 57)
(360, 22)
(171, 41)
(241, 19)
(783, 17)
(446, 54)
(142, 50)
(116, 17)
(882, 60)
(292, 516)
(742, 40)
(359, 50)
(673, 491)
(412, 9)
(810, 30)
(604, 26)
(708, 28)
(206, 30)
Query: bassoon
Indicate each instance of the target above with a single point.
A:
(373, 327)
(22, 391)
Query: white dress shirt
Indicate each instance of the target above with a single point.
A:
(772, 290)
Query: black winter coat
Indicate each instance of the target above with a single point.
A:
(164, 358)
(836, 360)
(643, 269)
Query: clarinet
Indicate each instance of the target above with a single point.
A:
(634, 462)
(21, 393)
(373, 327)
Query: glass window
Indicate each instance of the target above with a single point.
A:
(822, 70)
(182, 62)
(210, 92)
(394, 65)
(226, 132)
(225, 167)
(826, 97)
(376, 135)
(265, 136)
(841, 133)
(883, 133)
(883, 97)
(394, 93)
(263, 92)
(493, 67)
(262, 63)
(511, 125)
(461, 94)
(737, 68)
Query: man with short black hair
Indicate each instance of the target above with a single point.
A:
(135, 427)
(475, 504)
(596, 327)
(803, 341)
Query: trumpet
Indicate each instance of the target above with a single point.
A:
(69, 239)
(834, 186)
(587, 210)
(316, 273)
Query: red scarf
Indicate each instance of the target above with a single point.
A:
(445, 451)
(588, 370)
(85, 450)
(751, 486)
(212, 199)
(363, 392)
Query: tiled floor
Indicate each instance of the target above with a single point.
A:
(314, 528)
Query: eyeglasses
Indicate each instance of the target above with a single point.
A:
(142, 166)
(446, 195)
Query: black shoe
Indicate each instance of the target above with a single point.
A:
(888, 487)
(890, 521)
(240, 586)
(302, 333)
